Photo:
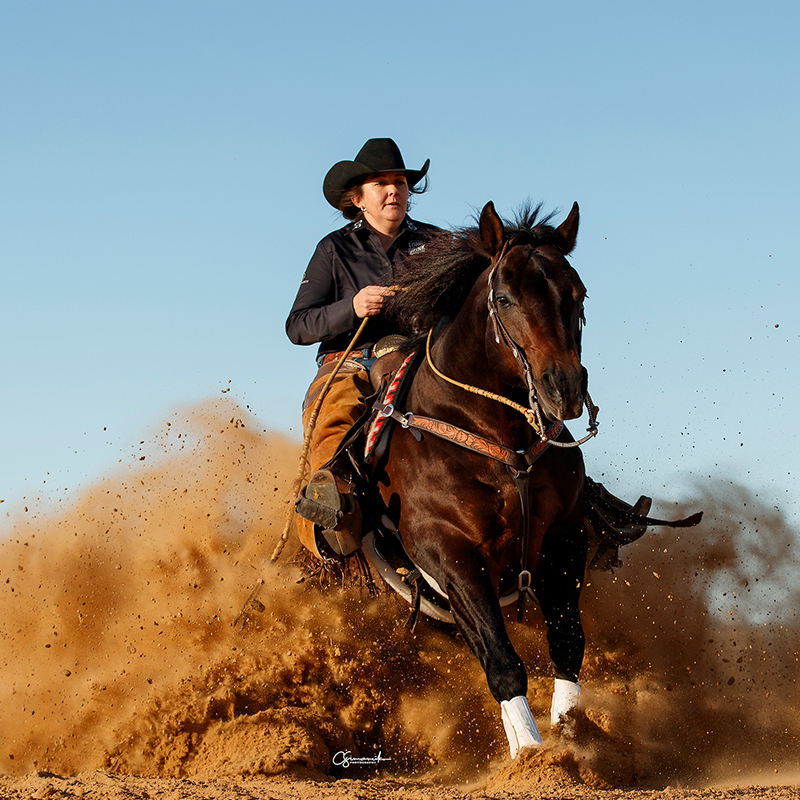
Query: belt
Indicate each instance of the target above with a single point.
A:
(356, 355)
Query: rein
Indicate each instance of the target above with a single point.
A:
(533, 414)
(530, 415)
(252, 603)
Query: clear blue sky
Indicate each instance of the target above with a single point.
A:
(160, 195)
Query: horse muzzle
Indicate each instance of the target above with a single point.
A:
(562, 393)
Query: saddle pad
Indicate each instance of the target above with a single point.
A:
(380, 420)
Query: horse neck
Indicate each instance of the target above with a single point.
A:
(460, 353)
(463, 342)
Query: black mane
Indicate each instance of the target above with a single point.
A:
(437, 281)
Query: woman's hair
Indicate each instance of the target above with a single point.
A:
(346, 205)
(351, 211)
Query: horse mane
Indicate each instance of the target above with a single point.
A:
(436, 282)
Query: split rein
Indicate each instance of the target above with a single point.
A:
(533, 414)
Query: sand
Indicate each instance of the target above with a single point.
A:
(121, 673)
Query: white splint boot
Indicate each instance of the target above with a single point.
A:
(566, 696)
(519, 724)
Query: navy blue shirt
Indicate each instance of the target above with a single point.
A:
(344, 262)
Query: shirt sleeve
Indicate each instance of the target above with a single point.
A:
(317, 314)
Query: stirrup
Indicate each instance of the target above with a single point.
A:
(639, 508)
(320, 501)
(616, 514)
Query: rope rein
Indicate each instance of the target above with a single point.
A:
(528, 413)
(533, 414)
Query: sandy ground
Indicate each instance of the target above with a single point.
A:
(121, 674)
(107, 787)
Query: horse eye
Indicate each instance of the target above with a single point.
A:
(502, 301)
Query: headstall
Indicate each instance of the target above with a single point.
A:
(533, 414)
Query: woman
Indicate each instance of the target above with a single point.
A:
(344, 283)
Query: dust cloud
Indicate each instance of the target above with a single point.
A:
(118, 649)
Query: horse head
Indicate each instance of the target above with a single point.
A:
(535, 300)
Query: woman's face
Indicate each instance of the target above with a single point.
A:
(384, 199)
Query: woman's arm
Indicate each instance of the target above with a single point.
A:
(316, 314)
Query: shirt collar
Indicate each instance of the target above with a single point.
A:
(360, 226)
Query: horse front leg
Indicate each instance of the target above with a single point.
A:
(478, 616)
(557, 587)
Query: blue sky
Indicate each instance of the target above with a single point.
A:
(160, 196)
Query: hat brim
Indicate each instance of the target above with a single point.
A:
(346, 174)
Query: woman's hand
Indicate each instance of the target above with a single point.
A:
(369, 301)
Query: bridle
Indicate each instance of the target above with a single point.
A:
(532, 414)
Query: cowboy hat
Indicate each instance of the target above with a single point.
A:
(377, 155)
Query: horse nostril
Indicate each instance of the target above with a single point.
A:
(569, 387)
(550, 382)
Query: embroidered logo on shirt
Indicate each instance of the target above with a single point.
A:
(357, 224)
(415, 247)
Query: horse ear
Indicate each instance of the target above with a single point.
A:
(491, 228)
(569, 230)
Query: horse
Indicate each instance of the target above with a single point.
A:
(496, 506)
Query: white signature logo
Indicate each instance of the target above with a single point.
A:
(344, 759)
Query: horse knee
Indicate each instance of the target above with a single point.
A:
(479, 618)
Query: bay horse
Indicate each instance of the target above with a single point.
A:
(504, 367)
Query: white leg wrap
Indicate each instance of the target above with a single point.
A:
(519, 724)
(566, 696)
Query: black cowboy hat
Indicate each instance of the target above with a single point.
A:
(377, 155)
